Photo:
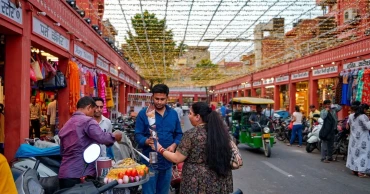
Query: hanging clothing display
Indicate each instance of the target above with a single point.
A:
(74, 85)
(102, 94)
(345, 100)
(360, 85)
(366, 87)
(339, 92)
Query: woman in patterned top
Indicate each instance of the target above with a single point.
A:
(358, 158)
(206, 152)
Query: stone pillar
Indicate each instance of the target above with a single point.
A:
(17, 90)
(121, 98)
(63, 96)
(277, 97)
(292, 98)
(313, 95)
(180, 99)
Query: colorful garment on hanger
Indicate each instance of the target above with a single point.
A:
(350, 86)
(360, 85)
(101, 87)
(74, 83)
(366, 87)
(344, 99)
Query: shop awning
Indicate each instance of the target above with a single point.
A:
(252, 100)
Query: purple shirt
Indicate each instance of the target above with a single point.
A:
(76, 135)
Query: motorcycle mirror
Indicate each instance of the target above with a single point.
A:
(91, 153)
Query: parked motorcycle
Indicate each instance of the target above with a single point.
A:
(341, 140)
(28, 182)
(313, 141)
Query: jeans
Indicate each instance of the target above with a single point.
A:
(159, 183)
(236, 133)
(327, 148)
(296, 129)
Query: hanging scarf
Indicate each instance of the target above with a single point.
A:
(73, 76)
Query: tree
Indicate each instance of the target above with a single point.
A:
(151, 47)
(205, 71)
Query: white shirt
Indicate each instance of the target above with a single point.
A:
(52, 111)
(180, 113)
(298, 118)
(268, 113)
(106, 125)
(246, 109)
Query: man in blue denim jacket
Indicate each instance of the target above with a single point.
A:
(169, 135)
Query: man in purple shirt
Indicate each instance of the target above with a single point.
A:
(77, 134)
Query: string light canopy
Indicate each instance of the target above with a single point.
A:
(166, 40)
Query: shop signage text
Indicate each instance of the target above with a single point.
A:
(268, 81)
(282, 79)
(325, 70)
(258, 83)
(300, 75)
(102, 63)
(356, 64)
(248, 85)
(84, 54)
(122, 76)
(113, 71)
(45, 31)
(9, 10)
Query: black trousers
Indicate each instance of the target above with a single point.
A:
(35, 126)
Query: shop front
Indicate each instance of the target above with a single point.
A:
(268, 87)
(257, 89)
(299, 90)
(281, 91)
(327, 81)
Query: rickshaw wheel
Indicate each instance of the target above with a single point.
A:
(267, 150)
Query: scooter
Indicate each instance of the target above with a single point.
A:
(28, 182)
(313, 141)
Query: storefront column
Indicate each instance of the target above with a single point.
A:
(263, 92)
(253, 92)
(17, 91)
(63, 96)
(312, 88)
(180, 99)
(276, 97)
(121, 98)
(245, 93)
(292, 98)
(126, 99)
(195, 97)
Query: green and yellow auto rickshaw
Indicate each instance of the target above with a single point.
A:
(255, 135)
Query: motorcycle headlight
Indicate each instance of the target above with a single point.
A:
(266, 130)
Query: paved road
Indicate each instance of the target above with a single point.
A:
(291, 170)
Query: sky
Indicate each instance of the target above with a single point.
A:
(195, 20)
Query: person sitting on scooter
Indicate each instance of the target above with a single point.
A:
(313, 112)
(80, 131)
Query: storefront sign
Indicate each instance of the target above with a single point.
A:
(248, 85)
(353, 65)
(84, 54)
(122, 76)
(102, 63)
(300, 75)
(282, 79)
(113, 71)
(9, 10)
(258, 83)
(49, 33)
(268, 81)
(325, 70)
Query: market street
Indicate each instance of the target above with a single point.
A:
(291, 170)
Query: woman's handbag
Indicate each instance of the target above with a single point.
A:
(236, 158)
(290, 127)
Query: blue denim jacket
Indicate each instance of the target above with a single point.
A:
(168, 130)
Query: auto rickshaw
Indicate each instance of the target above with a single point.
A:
(258, 135)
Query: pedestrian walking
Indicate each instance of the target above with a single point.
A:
(359, 141)
(297, 127)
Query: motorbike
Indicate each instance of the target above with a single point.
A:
(29, 183)
(313, 141)
(280, 127)
(341, 140)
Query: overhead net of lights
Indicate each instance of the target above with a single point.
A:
(166, 40)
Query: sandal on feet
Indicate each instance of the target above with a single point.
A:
(288, 144)
(325, 161)
(361, 175)
(355, 173)
(299, 146)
